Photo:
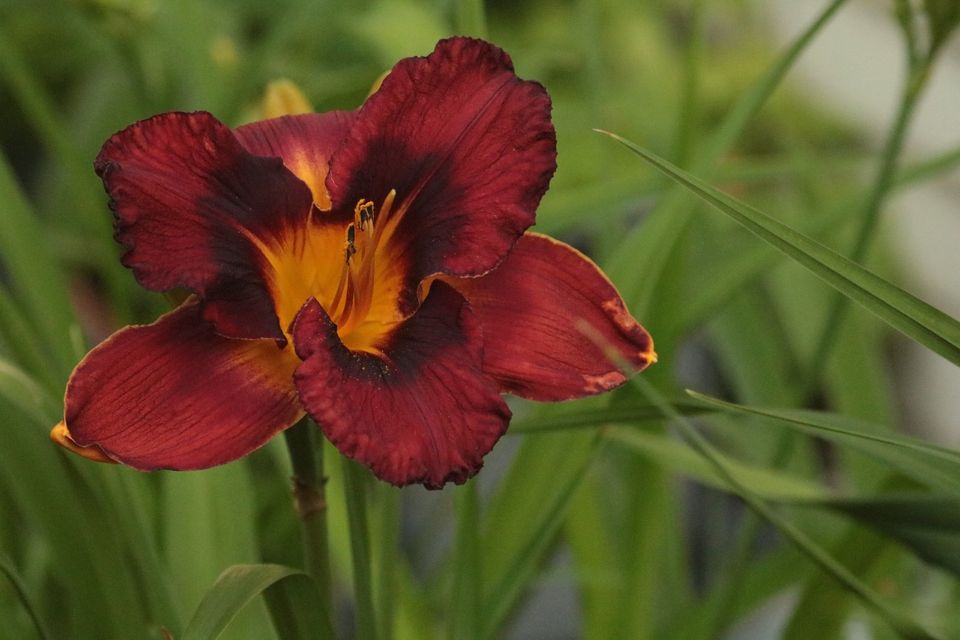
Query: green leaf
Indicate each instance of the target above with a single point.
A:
(524, 516)
(467, 577)
(636, 411)
(770, 484)
(900, 621)
(206, 529)
(928, 524)
(355, 483)
(24, 345)
(901, 310)
(7, 569)
(733, 271)
(35, 276)
(943, 16)
(23, 392)
(72, 521)
(295, 608)
(641, 256)
(928, 464)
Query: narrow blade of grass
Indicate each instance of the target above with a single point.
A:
(930, 465)
(642, 256)
(20, 390)
(594, 418)
(467, 577)
(7, 569)
(928, 524)
(524, 516)
(899, 621)
(355, 487)
(772, 484)
(904, 312)
(33, 270)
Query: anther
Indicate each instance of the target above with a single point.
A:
(363, 213)
(350, 248)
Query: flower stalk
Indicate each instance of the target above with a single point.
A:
(355, 487)
(306, 454)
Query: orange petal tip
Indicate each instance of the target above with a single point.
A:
(61, 435)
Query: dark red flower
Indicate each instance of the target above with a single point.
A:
(370, 268)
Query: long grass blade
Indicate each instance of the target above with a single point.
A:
(902, 623)
(904, 312)
(7, 569)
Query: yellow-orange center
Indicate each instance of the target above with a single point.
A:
(350, 270)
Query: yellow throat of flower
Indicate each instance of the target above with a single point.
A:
(350, 270)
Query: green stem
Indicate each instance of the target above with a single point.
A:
(355, 486)
(471, 18)
(465, 614)
(690, 88)
(306, 454)
(869, 217)
(387, 535)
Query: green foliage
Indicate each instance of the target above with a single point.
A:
(848, 513)
(293, 600)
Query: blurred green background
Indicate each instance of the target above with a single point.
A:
(593, 520)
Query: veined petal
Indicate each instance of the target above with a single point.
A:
(304, 142)
(544, 311)
(469, 149)
(191, 207)
(421, 411)
(176, 395)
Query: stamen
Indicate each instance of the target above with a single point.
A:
(350, 248)
(363, 213)
(385, 220)
(354, 294)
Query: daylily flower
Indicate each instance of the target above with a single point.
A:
(370, 268)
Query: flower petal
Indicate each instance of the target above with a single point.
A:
(176, 395)
(469, 148)
(422, 411)
(61, 435)
(305, 143)
(543, 311)
(191, 205)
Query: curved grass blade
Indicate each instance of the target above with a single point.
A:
(899, 621)
(928, 464)
(733, 272)
(23, 392)
(7, 569)
(594, 418)
(295, 609)
(904, 312)
(771, 484)
(929, 524)
(643, 255)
